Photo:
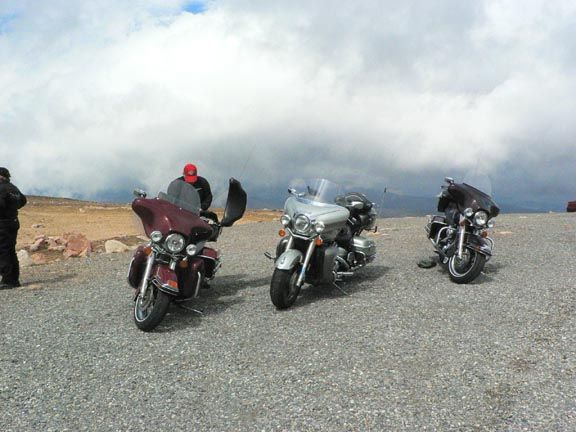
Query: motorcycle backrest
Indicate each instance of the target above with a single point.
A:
(235, 204)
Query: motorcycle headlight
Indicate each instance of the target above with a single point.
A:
(175, 242)
(480, 218)
(285, 220)
(490, 224)
(191, 249)
(156, 236)
(468, 212)
(319, 227)
(302, 224)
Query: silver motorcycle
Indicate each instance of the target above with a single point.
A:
(321, 241)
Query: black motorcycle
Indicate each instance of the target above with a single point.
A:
(460, 237)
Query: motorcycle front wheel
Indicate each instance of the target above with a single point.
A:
(150, 309)
(466, 269)
(283, 288)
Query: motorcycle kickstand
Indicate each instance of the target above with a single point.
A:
(340, 288)
(190, 309)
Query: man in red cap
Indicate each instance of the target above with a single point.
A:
(200, 184)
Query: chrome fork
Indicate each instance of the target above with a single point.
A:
(307, 259)
(461, 235)
(146, 275)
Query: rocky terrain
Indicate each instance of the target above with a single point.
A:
(53, 229)
(406, 349)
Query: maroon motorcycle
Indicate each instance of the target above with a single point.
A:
(176, 262)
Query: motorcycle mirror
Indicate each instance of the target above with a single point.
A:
(449, 180)
(139, 193)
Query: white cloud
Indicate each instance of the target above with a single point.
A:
(97, 95)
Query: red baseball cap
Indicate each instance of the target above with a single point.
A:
(190, 173)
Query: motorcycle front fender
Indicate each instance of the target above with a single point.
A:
(478, 244)
(289, 259)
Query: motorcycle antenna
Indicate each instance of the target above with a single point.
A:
(248, 157)
(381, 206)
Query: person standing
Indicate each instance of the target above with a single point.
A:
(200, 184)
(11, 200)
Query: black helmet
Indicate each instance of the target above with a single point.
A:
(5, 173)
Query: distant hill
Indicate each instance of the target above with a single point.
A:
(388, 204)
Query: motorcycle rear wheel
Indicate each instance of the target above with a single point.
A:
(283, 288)
(467, 269)
(149, 311)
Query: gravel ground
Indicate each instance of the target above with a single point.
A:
(406, 350)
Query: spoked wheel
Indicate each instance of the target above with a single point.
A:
(283, 288)
(466, 269)
(150, 309)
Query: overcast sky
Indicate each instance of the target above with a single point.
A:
(100, 96)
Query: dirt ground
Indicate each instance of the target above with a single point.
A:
(97, 221)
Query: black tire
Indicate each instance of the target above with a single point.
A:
(148, 313)
(468, 269)
(283, 289)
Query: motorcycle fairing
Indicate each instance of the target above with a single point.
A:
(160, 215)
(330, 214)
(468, 196)
(235, 204)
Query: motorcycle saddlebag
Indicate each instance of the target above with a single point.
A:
(364, 246)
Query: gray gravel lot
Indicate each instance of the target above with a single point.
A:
(407, 350)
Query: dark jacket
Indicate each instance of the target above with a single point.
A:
(203, 188)
(11, 199)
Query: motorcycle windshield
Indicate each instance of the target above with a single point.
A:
(476, 193)
(176, 210)
(317, 191)
(183, 195)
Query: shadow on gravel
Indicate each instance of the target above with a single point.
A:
(493, 267)
(40, 283)
(484, 277)
(221, 295)
(354, 284)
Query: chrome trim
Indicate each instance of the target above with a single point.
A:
(491, 241)
(197, 290)
(165, 287)
(440, 232)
